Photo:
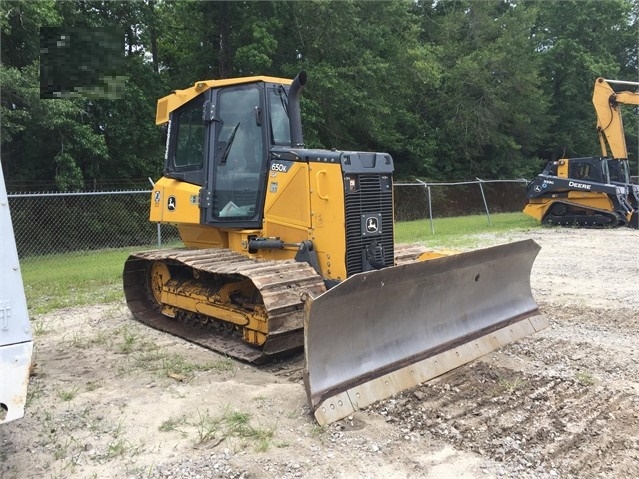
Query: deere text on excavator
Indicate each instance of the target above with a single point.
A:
(591, 191)
(289, 247)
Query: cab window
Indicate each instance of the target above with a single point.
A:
(280, 129)
(189, 139)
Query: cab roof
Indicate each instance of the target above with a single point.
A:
(177, 98)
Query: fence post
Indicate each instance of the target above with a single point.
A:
(430, 206)
(430, 211)
(484, 198)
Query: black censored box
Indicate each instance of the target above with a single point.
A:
(81, 62)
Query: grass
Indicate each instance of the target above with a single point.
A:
(173, 424)
(510, 385)
(118, 447)
(458, 232)
(178, 367)
(76, 279)
(68, 395)
(207, 426)
(147, 356)
(73, 279)
(585, 379)
(34, 392)
(227, 425)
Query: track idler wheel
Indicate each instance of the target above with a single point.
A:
(559, 209)
(159, 275)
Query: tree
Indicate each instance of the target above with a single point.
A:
(452, 89)
(40, 139)
(20, 22)
(80, 142)
(577, 42)
(45, 139)
(488, 112)
(363, 61)
(134, 142)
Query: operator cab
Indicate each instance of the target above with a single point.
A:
(619, 171)
(221, 140)
(589, 169)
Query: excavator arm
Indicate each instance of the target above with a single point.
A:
(609, 118)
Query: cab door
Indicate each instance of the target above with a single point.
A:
(236, 170)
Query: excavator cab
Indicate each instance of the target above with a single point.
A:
(620, 175)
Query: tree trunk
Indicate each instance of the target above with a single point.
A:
(225, 60)
(153, 35)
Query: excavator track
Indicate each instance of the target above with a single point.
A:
(276, 295)
(566, 213)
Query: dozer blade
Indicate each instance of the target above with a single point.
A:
(381, 332)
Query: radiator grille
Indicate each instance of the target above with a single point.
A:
(373, 195)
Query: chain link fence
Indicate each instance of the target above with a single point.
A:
(48, 223)
(421, 200)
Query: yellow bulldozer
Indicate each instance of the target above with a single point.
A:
(288, 247)
(591, 191)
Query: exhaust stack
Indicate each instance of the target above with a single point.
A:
(295, 111)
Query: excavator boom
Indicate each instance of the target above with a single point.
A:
(609, 119)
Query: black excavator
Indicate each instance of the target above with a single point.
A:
(591, 191)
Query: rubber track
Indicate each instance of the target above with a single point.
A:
(600, 218)
(280, 284)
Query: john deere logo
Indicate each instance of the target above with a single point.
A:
(372, 225)
(170, 204)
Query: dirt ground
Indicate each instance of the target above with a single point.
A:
(112, 398)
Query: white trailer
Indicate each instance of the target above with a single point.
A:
(16, 342)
